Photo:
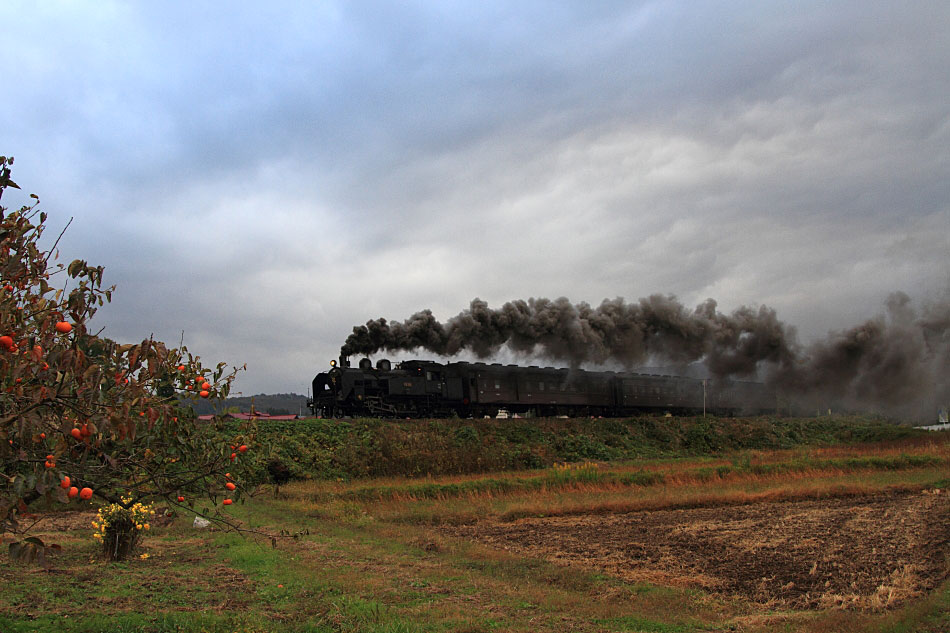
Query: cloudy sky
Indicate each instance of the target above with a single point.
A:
(265, 176)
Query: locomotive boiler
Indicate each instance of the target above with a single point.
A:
(422, 388)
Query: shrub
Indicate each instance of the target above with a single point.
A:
(81, 412)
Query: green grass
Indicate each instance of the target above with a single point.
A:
(643, 625)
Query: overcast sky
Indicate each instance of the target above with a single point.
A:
(266, 176)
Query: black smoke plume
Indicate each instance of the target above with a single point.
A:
(897, 363)
(891, 363)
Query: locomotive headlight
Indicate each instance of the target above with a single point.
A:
(332, 363)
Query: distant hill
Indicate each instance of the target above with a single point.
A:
(275, 404)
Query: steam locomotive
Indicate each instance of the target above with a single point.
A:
(422, 388)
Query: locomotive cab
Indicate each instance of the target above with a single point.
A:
(323, 385)
(326, 391)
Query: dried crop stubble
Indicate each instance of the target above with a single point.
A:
(868, 551)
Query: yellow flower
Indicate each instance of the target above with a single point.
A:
(143, 556)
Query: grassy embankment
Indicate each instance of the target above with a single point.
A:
(360, 554)
(351, 449)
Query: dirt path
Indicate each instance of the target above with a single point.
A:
(867, 552)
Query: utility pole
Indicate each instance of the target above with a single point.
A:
(704, 397)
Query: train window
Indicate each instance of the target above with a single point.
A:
(497, 384)
(540, 385)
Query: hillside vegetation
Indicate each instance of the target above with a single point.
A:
(274, 403)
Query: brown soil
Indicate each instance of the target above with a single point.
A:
(871, 551)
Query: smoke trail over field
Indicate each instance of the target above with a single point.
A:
(657, 327)
(897, 363)
(884, 363)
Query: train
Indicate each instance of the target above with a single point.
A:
(429, 389)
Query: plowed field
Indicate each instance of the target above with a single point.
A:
(867, 552)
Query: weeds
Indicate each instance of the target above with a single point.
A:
(593, 476)
(370, 448)
(567, 474)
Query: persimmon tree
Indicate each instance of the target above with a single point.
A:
(84, 419)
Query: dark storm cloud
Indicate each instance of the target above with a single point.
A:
(312, 165)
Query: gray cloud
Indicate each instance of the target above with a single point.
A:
(263, 178)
